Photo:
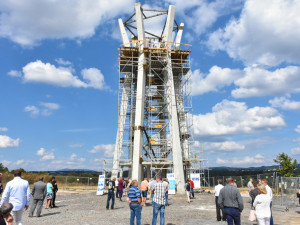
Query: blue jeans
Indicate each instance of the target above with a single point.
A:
(111, 195)
(156, 208)
(233, 215)
(135, 211)
(152, 195)
(271, 219)
(120, 193)
(167, 198)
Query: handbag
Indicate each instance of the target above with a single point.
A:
(252, 216)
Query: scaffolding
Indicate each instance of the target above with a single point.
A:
(164, 68)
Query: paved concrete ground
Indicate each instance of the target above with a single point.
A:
(82, 208)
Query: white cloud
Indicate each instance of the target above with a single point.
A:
(216, 79)
(63, 62)
(48, 156)
(267, 33)
(75, 145)
(33, 110)
(235, 118)
(261, 82)
(40, 152)
(224, 146)
(6, 163)
(222, 161)
(19, 162)
(28, 22)
(249, 160)
(297, 129)
(44, 109)
(15, 73)
(107, 150)
(47, 73)
(295, 151)
(3, 129)
(94, 78)
(7, 142)
(200, 15)
(73, 156)
(285, 103)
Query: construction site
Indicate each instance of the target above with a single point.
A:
(155, 124)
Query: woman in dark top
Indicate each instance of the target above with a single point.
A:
(253, 193)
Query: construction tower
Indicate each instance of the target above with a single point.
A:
(154, 124)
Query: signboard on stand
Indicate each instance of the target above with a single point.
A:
(196, 178)
(171, 179)
(101, 184)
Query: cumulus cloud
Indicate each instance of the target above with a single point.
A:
(222, 161)
(28, 22)
(295, 151)
(47, 73)
(19, 162)
(74, 157)
(8, 142)
(297, 129)
(201, 15)
(6, 163)
(48, 156)
(224, 146)
(260, 82)
(40, 152)
(63, 62)
(3, 129)
(235, 118)
(285, 103)
(106, 150)
(15, 73)
(249, 160)
(266, 33)
(44, 109)
(216, 79)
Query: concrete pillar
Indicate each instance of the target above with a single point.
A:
(140, 98)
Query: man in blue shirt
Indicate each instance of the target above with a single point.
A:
(18, 192)
(134, 199)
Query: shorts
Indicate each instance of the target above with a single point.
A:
(144, 194)
(49, 195)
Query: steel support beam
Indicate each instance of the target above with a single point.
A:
(178, 37)
(123, 33)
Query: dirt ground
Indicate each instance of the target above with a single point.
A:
(84, 208)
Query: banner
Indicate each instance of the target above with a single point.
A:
(101, 184)
(171, 179)
(196, 178)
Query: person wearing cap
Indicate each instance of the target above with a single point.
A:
(5, 217)
(134, 200)
(159, 200)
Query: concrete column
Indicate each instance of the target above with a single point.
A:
(140, 98)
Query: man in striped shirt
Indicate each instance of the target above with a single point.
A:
(159, 200)
(134, 199)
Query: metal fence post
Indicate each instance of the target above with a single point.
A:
(66, 183)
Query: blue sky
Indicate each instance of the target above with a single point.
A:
(59, 79)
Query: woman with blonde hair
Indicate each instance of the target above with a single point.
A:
(262, 206)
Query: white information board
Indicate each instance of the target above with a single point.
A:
(171, 179)
(101, 185)
(196, 178)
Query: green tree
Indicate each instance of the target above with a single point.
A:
(286, 165)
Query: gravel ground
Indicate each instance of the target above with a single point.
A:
(83, 208)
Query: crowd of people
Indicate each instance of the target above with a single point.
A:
(17, 196)
(229, 202)
(137, 196)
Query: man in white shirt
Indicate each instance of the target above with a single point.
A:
(270, 194)
(218, 209)
(18, 192)
(250, 187)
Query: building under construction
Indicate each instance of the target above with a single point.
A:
(155, 109)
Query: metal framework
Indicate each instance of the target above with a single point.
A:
(155, 105)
